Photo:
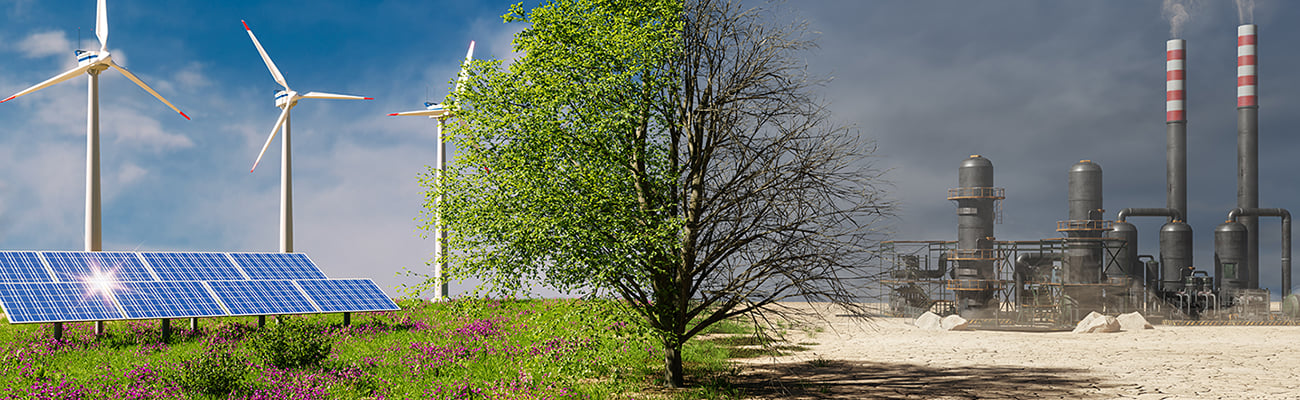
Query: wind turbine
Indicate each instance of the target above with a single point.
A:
(286, 99)
(93, 63)
(440, 113)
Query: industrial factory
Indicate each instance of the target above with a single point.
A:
(1095, 265)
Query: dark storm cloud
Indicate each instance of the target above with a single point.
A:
(1038, 86)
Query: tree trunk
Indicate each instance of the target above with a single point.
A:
(674, 377)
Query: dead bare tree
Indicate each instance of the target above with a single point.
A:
(776, 200)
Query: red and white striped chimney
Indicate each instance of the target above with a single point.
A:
(1246, 83)
(1175, 80)
(1248, 146)
(1176, 125)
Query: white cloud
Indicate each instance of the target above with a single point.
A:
(499, 38)
(45, 193)
(45, 44)
(128, 125)
(192, 77)
(130, 173)
(188, 78)
(20, 7)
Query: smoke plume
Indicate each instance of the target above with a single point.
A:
(1245, 11)
(1176, 12)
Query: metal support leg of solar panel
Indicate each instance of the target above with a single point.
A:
(60, 286)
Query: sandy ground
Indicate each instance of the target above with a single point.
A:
(888, 358)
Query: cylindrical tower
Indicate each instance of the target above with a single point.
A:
(1230, 256)
(1083, 249)
(1175, 255)
(1248, 147)
(974, 257)
(1085, 191)
(1126, 258)
(1176, 125)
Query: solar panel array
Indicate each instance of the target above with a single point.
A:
(64, 286)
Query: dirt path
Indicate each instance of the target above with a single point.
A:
(891, 359)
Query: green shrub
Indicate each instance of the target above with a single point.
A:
(217, 371)
(292, 343)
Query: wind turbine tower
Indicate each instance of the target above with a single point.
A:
(440, 113)
(286, 99)
(92, 63)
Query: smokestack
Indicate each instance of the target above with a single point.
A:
(1176, 125)
(1248, 146)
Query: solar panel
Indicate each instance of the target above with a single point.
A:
(260, 266)
(55, 302)
(22, 266)
(170, 299)
(192, 266)
(173, 285)
(261, 297)
(339, 295)
(76, 266)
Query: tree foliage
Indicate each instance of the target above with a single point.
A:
(669, 153)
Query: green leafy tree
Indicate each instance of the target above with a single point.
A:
(667, 152)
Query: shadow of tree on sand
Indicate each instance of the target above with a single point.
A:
(833, 379)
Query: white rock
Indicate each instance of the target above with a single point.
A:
(1133, 322)
(929, 321)
(1086, 320)
(953, 323)
(1097, 323)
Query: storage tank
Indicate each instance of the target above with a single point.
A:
(1084, 229)
(1085, 191)
(1230, 256)
(1126, 258)
(1175, 255)
(1083, 257)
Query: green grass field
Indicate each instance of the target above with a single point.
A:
(465, 349)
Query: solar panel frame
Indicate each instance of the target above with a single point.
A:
(346, 295)
(167, 299)
(55, 302)
(192, 266)
(262, 297)
(23, 266)
(277, 266)
(50, 286)
(73, 266)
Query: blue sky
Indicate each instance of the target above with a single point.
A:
(1034, 86)
(173, 184)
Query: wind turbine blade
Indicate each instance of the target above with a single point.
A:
(322, 95)
(464, 67)
(275, 72)
(101, 25)
(430, 113)
(72, 73)
(146, 87)
(284, 115)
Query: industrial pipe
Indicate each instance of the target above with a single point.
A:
(1175, 244)
(1173, 213)
(1286, 237)
(1024, 261)
(1152, 273)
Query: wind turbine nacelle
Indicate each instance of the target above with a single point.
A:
(88, 57)
(283, 98)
